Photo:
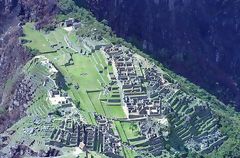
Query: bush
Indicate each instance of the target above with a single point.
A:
(2, 110)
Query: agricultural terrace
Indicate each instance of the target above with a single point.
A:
(86, 74)
(35, 70)
(128, 131)
(39, 107)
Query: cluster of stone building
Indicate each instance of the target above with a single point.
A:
(75, 133)
(71, 133)
(157, 86)
(148, 93)
(110, 142)
(26, 89)
(144, 94)
(23, 95)
(21, 150)
(137, 95)
(208, 142)
(204, 135)
(56, 97)
(93, 44)
(71, 22)
(152, 131)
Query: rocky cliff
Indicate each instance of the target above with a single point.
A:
(12, 55)
(198, 39)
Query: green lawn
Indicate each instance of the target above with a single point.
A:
(36, 39)
(90, 72)
(85, 73)
(113, 111)
(95, 100)
(73, 38)
(40, 107)
(38, 73)
(102, 108)
(121, 132)
(59, 35)
(127, 131)
(89, 117)
(131, 129)
(129, 153)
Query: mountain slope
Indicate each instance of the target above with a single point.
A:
(13, 56)
(84, 91)
(193, 38)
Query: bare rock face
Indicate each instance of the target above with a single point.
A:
(13, 56)
(20, 151)
(198, 39)
(6, 6)
(40, 11)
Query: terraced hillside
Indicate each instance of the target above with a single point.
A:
(90, 94)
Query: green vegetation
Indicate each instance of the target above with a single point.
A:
(127, 130)
(121, 131)
(128, 153)
(130, 129)
(2, 110)
(95, 101)
(37, 72)
(40, 107)
(89, 117)
(36, 39)
(90, 72)
(230, 125)
(113, 111)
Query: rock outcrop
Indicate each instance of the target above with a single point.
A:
(12, 55)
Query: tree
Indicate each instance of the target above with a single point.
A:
(105, 22)
(168, 147)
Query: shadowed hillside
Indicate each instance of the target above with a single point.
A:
(192, 37)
